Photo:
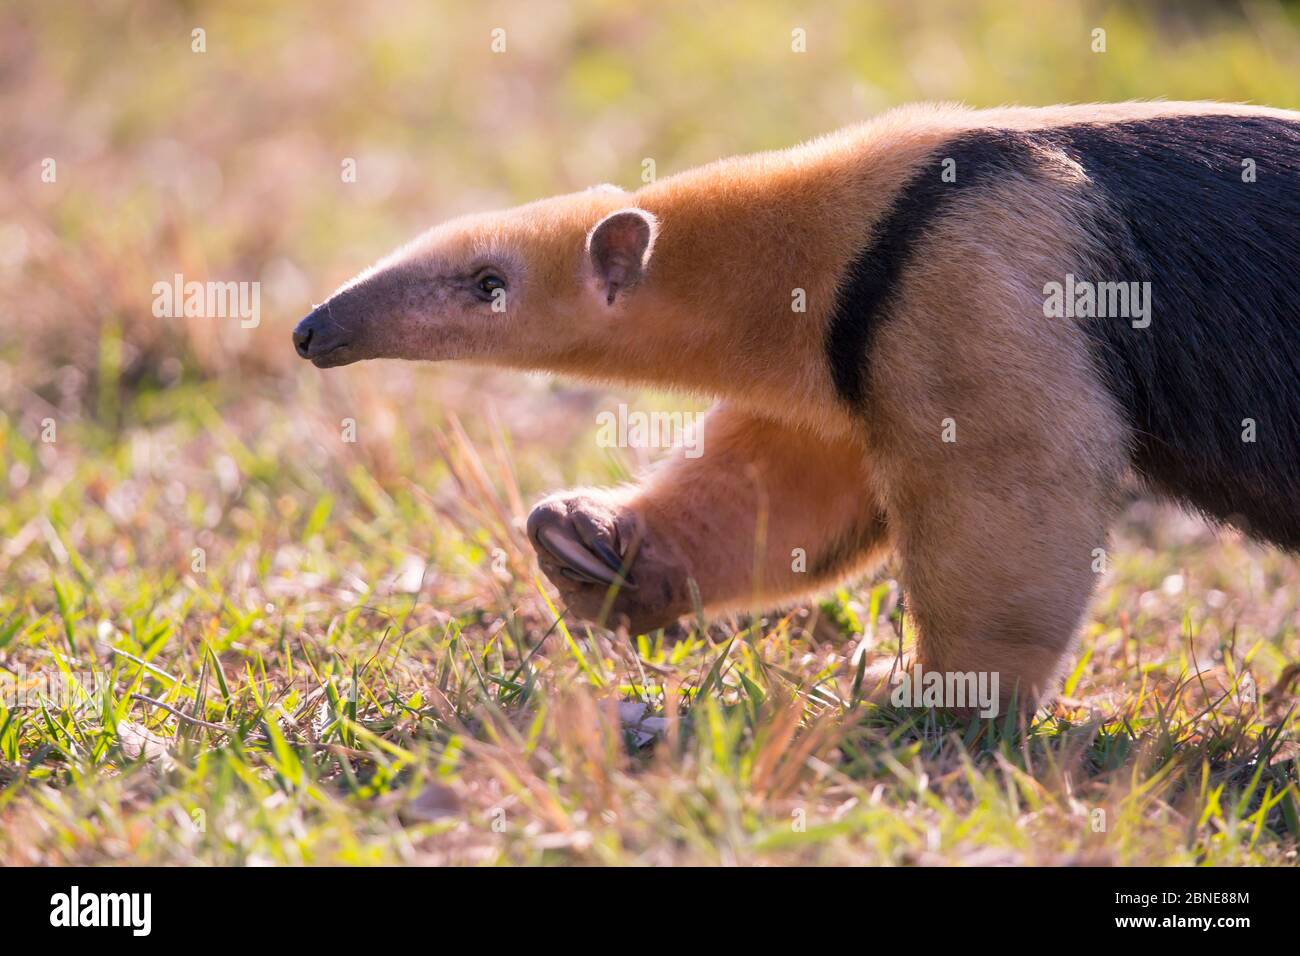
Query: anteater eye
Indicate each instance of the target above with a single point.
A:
(488, 284)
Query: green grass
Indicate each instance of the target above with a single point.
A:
(333, 713)
(364, 666)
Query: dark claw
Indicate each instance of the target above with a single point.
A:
(606, 553)
(581, 578)
(577, 559)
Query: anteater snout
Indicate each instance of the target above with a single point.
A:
(322, 339)
(303, 333)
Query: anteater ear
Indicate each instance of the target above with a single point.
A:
(620, 247)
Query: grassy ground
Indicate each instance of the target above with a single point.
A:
(229, 634)
(375, 687)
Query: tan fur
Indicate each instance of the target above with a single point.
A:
(995, 531)
(769, 513)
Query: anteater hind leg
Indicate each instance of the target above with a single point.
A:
(765, 514)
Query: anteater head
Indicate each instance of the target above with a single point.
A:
(540, 286)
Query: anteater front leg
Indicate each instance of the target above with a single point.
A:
(998, 579)
(765, 514)
(1000, 457)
